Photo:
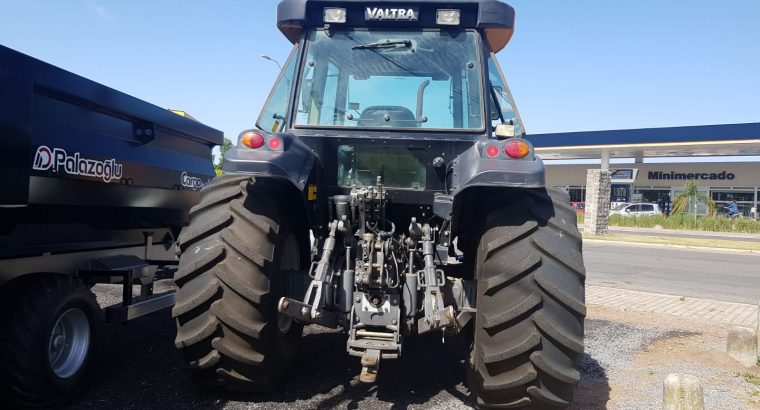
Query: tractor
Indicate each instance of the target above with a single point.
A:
(388, 190)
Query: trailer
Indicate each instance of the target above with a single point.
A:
(97, 186)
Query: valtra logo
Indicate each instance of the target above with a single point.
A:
(59, 161)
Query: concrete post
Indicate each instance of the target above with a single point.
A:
(742, 345)
(682, 392)
(598, 188)
(605, 165)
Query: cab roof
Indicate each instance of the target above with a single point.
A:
(495, 18)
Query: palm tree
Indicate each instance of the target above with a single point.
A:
(689, 194)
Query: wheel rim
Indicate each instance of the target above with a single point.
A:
(69, 343)
(290, 260)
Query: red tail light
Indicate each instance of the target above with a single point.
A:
(275, 143)
(517, 149)
(252, 139)
(492, 151)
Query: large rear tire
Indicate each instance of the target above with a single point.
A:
(530, 275)
(47, 342)
(230, 276)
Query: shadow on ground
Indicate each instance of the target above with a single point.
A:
(593, 391)
(139, 367)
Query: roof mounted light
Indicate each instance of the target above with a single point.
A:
(334, 15)
(448, 17)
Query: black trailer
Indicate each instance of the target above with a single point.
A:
(97, 185)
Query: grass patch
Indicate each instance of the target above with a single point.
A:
(684, 222)
(752, 378)
(663, 240)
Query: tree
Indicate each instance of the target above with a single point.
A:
(692, 195)
(226, 145)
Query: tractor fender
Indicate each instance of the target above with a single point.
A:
(472, 168)
(295, 163)
(297, 169)
(474, 180)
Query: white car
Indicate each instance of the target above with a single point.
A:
(636, 210)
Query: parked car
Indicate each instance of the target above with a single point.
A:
(636, 210)
(580, 207)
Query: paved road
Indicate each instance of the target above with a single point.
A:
(719, 275)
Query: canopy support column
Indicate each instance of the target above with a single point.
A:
(598, 190)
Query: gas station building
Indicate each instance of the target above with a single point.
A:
(642, 181)
(654, 182)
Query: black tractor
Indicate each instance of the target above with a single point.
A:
(386, 190)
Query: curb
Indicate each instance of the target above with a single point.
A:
(667, 245)
(709, 310)
(683, 232)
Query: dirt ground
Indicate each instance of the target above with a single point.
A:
(645, 349)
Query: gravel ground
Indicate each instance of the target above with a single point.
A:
(628, 356)
(637, 351)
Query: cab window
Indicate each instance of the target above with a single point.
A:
(411, 79)
(272, 117)
(502, 103)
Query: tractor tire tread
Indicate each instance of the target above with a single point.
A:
(530, 304)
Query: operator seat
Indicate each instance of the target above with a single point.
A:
(398, 116)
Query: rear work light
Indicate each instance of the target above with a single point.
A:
(448, 17)
(334, 15)
(517, 149)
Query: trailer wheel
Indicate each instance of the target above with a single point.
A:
(48, 341)
(528, 337)
(231, 274)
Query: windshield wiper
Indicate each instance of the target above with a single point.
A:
(384, 44)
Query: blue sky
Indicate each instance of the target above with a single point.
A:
(572, 65)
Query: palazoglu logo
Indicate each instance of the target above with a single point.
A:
(59, 161)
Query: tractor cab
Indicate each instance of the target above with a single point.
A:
(391, 66)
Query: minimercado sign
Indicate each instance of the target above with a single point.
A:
(391, 14)
(693, 176)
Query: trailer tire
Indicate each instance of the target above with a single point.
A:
(47, 341)
(229, 280)
(528, 339)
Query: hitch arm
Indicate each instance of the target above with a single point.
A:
(311, 309)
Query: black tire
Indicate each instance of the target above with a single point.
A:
(229, 283)
(528, 338)
(37, 367)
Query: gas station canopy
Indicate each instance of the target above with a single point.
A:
(705, 140)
